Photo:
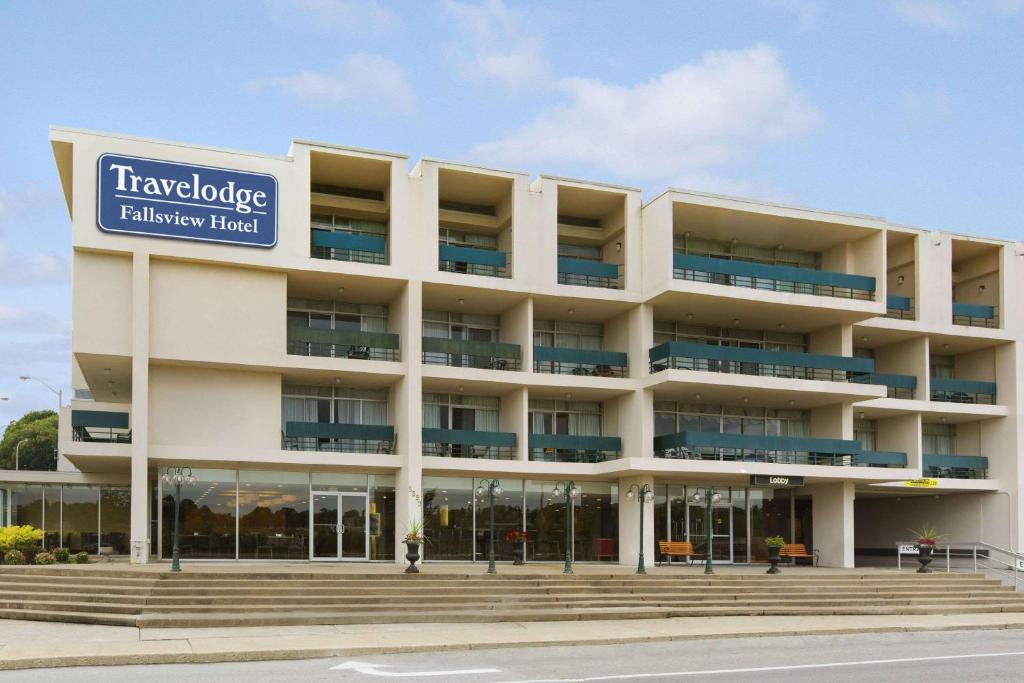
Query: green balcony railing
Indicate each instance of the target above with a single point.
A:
(464, 353)
(955, 466)
(338, 438)
(768, 276)
(466, 443)
(897, 386)
(975, 315)
(880, 459)
(310, 341)
(348, 246)
(587, 273)
(473, 261)
(562, 361)
(787, 450)
(574, 448)
(962, 391)
(733, 359)
(100, 426)
(899, 307)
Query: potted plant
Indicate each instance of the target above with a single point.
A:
(774, 545)
(413, 539)
(927, 538)
(517, 538)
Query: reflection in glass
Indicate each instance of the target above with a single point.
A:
(596, 522)
(448, 517)
(382, 516)
(545, 522)
(80, 530)
(273, 515)
(508, 516)
(51, 518)
(207, 516)
(27, 505)
(115, 520)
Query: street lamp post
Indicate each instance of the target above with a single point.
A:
(712, 497)
(493, 488)
(643, 494)
(177, 476)
(17, 451)
(60, 404)
(569, 490)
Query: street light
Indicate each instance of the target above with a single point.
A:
(643, 494)
(712, 497)
(569, 491)
(60, 404)
(17, 450)
(493, 488)
(177, 476)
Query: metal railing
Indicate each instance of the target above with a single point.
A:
(944, 466)
(899, 307)
(949, 390)
(788, 450)
(336, 437)
(467, 443)
(472, 261)
(309, 341)
(100, 426)
(100, 435)
(975, 315)
(564, 361)
(574, 448)
(586, 273)
(743, 361)
(464, 353)
(348, 246)
(1008, 564)
(311, 443)
(897, 386)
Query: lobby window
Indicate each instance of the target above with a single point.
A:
(208, 516)
(273, 515)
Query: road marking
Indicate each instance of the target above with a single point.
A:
(372, 670)
(759, 669)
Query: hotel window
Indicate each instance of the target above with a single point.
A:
(670, 418)
(866, 431)
(471, 413)
(942, 367)
(574, 418)
(336, 315)
(684, 244)
(938, 439)
(337, 405)
(666, 331)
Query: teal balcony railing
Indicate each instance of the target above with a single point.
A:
(787, 450)
(100, 426)
(880, 459)
(562, 361)
(897, 386)
(899, 307)
(754, 275)
(955, 466)
(587, 273)
(574, 448)
(464, 353)
(733, 359)
(309, 341)
(466, 443)
(962, 391)
(338, 438)
(348, 246)
(975, 315)
(472, 261)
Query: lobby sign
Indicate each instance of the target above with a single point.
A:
(774, 480)
(155, 198)
(922, 483)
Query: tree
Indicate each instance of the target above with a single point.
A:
(39, 452)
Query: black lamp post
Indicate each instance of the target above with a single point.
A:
(712, 497)
(492, 487)
(643, 494)
(569, 490)
(178, 476)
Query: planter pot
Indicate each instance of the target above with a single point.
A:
(412, 554)
(517, 554)
(773, 558)
(924, 556)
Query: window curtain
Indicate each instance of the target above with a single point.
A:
(584, 424)
(375, 413)
(347, 411)
(432, 415)
(486, 420)
(298, 410)
(435, 329)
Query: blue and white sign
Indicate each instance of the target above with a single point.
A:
(184, 201)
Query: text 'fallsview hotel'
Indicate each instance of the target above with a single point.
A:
(333, 343)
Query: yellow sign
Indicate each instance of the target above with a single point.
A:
(922, 483)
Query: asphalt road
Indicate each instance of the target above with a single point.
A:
(935, 657)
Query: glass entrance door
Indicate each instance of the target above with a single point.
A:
(339, 526)
(721, 530)
(326, 530)
(354, 537)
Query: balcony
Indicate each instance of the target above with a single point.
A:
(782, 450)
(586, 273)
(348, 246)
(561, 361)
(899, 307)
(732, 359)
(880, 459)
(897, 386)
(955, 466)
(310, 341)
(574, 448)
(100, 426)
(975, 315)
(771, 277)
(473, 261)
(465, 443)
(463, 353)
(962, 391)
(338, 438)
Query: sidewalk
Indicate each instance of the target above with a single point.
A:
(34, 644)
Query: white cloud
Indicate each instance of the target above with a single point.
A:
(354, 16)
(937, 16)
(25, 215)
(697, 116)
(496, 47)
(359, 78)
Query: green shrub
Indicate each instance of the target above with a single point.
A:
(19, 537)
(44, 558)
(14, 557)
(82, 558)
(62, 555)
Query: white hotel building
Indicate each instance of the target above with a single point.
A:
(412, 330)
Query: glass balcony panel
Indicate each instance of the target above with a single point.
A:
(466, 443)
(473, 261)
(472, 354)
(100, 426)
(772, 277)
(955, 466)
(565, 361)
(587, 273)
(962, 391)
(975, 315)
(732, 359)
(340, 343)
(574, 448)
(338, 438)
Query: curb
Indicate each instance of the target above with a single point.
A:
(190, 657)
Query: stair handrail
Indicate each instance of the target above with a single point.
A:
(1013, 568)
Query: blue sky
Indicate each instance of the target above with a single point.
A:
(907, 109)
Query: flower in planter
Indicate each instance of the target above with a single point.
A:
(926, 535)
(774, 541)
(516, 536)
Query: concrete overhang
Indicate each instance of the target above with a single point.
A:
(931, 411)
(763, 392)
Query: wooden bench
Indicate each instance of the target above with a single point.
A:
(798, 551)
(669, 549)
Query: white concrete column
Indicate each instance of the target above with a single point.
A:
(832, 510)
(140, 497)
(407, 316)
(629, 523)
